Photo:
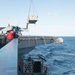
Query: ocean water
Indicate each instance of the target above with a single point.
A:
(60, 57)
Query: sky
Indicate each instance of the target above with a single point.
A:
(55, 17)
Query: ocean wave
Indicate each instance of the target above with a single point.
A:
(60, 58)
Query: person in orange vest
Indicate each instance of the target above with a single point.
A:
(10, 36)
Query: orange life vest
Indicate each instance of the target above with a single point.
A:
(10, 35)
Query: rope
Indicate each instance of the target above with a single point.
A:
(29, 7)
(44, 41)
(34, 9)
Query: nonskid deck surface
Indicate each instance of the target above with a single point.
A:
(8, 58)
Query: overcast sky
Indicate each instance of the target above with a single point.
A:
(55, 17)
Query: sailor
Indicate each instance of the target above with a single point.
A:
(16, 31)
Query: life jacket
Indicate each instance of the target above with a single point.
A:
(10, 35)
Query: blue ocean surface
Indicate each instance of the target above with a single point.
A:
(60, 57)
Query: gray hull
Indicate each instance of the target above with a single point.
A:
(32, 41)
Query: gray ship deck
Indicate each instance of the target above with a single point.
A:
(8, 58)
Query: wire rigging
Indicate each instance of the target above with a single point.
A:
(29, 7)
(33, 8)
(32, 18)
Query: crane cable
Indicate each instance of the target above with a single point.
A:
(30, 8)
